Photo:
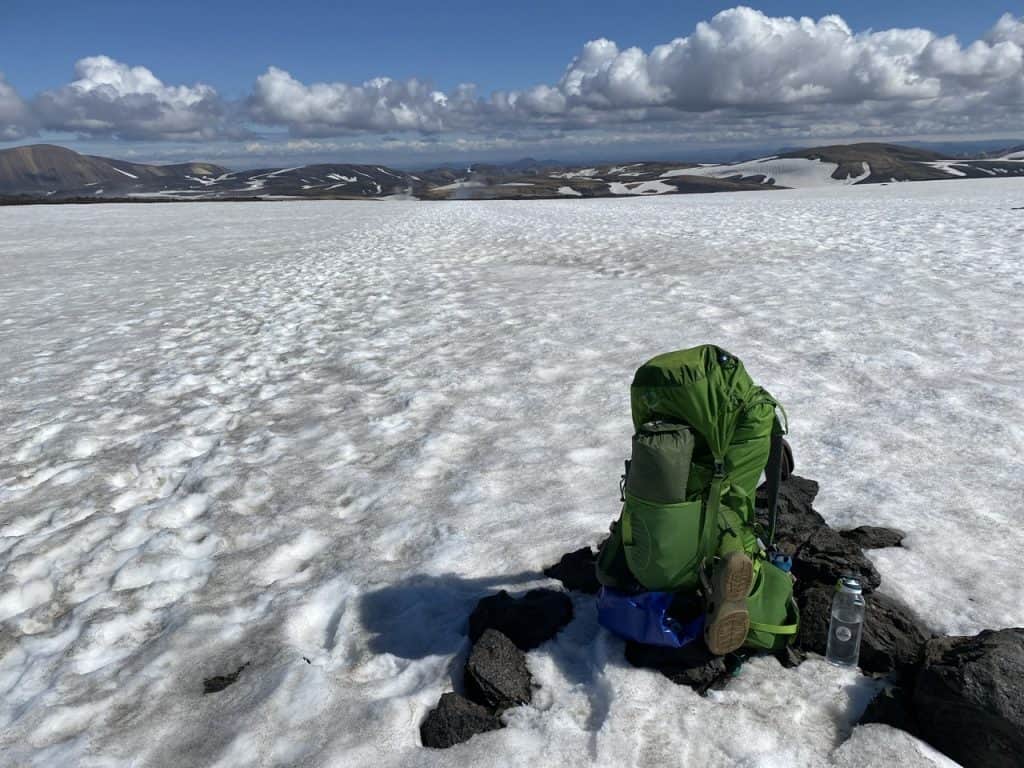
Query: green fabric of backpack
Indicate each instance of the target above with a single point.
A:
(703, 435)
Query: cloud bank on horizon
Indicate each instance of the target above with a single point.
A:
(742, 75)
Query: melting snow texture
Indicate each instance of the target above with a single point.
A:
(307, 437)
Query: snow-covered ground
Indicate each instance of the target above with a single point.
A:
(797, 172)
(307, 437)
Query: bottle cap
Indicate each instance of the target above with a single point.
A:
(850, 584)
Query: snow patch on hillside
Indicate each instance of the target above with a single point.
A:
(795, 172)
(640, 188)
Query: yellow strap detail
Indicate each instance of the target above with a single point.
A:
(775, 629)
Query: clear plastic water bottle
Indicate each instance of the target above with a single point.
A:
(847, 624)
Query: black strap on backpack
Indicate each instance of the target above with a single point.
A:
(773, 476)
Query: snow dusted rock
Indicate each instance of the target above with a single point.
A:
(893, 636)
(577, 571)
(691, 665)
(826, 556)
(875, 536)
(455, 719)
(529, 621)
(968, 699)
(496, 673)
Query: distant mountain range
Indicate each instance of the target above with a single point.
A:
(48, 173)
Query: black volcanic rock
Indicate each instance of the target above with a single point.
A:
(891, 707)
(815, 604)
(893, 636)
(529, 621)
(455, 719)
(969, 698)
(826, 556)
(797, 519)
(874, 536)
(496, 673)
(577, 571)
(692, 665)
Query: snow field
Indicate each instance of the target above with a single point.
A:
(307, 437)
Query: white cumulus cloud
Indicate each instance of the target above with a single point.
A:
(743, 58)
(110, 98)
(741, 75)
(15, 120)
(793, 74)
(380, 104)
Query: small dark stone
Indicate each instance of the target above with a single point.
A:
(826, 556)
(969, 697)
(529, 621)
(455, 720)
(692, 665)
(577, 571)
(496, 673)
(218, 683)
(874, 536)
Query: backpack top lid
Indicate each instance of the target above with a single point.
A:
(704, 387)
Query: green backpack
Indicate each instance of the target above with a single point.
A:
(704, 432)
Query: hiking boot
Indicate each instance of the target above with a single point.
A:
(728, 621)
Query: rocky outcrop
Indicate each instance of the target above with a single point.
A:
(875, 536)
(964, 695)
(826, 556)
(968, 697)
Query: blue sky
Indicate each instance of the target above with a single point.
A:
(521, 51)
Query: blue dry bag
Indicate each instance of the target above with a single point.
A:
(643, 617)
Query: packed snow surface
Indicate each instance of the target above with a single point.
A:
(796, 172)
(303, 439)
